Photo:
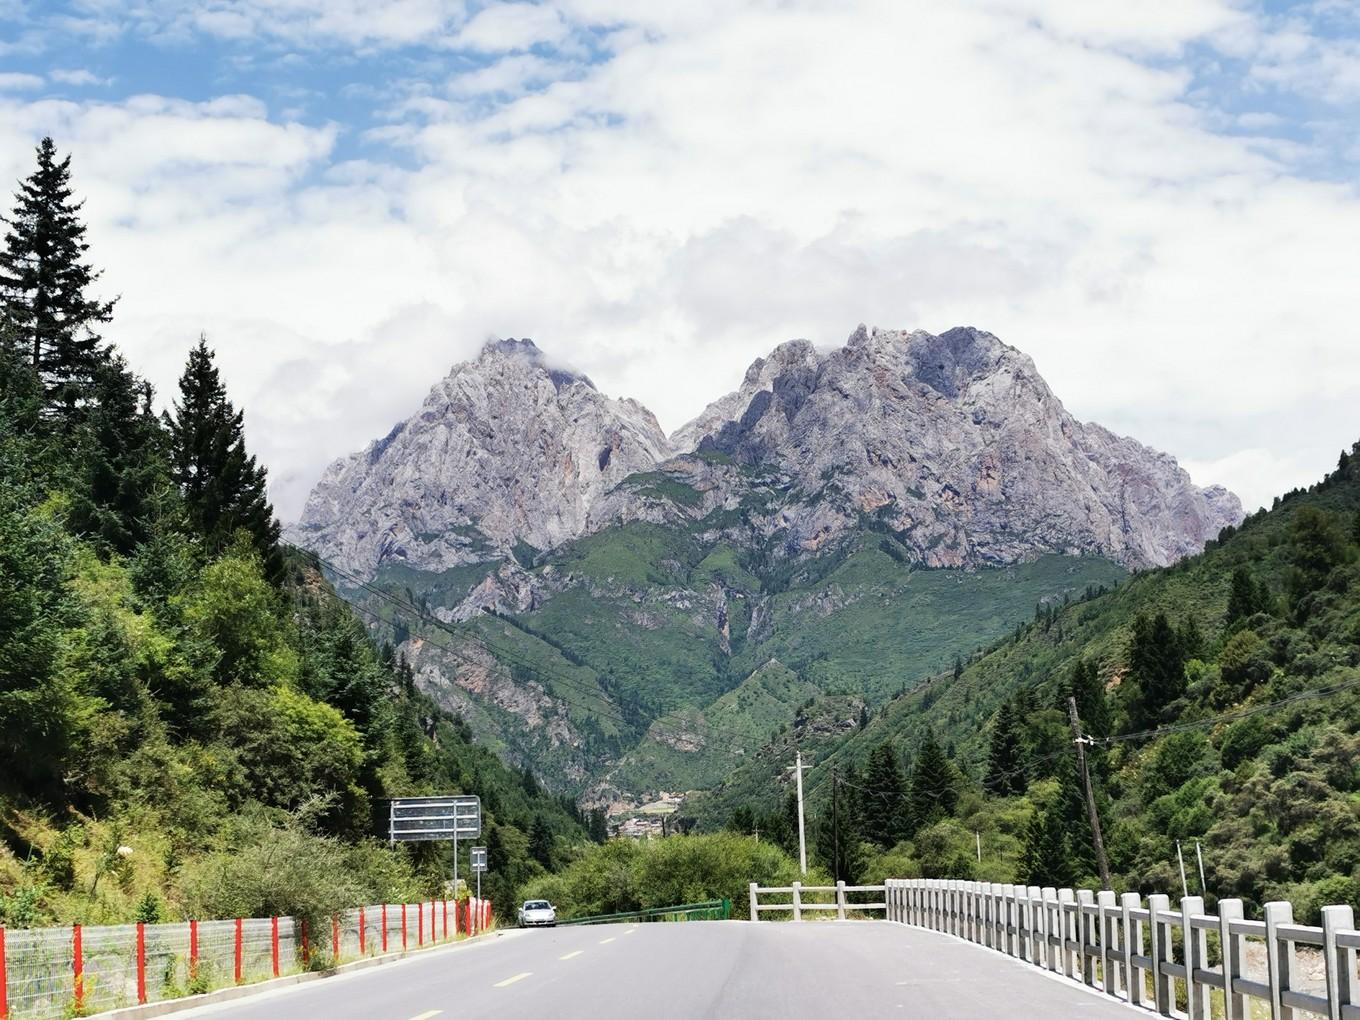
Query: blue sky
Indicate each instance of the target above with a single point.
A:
(1157, 201)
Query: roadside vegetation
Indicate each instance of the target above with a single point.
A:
(1223, 697)
(190, 720)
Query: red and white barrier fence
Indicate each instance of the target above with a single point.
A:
(54, 972)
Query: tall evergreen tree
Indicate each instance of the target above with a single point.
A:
(223, 488)
(1006, 772)
(934, 784)
(1245, 597)
(1085, 685)
(541, 842)
(121, 454)
(884, 805)
(1046, 859)
(44, 285)
(1157, 666)
(836, 842)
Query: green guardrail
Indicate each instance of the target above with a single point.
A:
(709, 910)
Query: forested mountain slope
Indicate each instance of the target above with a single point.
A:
(181, 699)
(1224, 696)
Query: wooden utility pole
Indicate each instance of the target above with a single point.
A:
(1091, 813)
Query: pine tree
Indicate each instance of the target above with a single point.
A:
(742, 821)
(44, 282)
(1157, 666)
(934, 784)
(884, 803)
(1006, 772)
(1317, 549)
(1245, 597)
(122, 455)
(541, 842)
(1046, 859)
(223, 488)
(599, 825)
(836, 841)
(1085, 685)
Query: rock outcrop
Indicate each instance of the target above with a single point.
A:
(506, 449)
(953, 443)
(957, 445)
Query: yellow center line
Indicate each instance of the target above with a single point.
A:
(605, 942)
(512, 980)
(577, 952)
(427, 1015)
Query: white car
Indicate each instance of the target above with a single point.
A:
(537, 914)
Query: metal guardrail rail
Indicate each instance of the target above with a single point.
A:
(1138, 951)
(709, 910)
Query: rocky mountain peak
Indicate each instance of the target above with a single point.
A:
(507, 448)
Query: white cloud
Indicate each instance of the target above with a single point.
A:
(512, 26)
(14, 81)
(735, 175)
(78, 76)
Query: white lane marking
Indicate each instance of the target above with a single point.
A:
(427, 1014)
(630, 931)
(512, 980)
(605, 942)
(577, 952)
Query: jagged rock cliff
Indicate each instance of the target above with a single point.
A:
(507, 448)
(953, 443)
(956, 444)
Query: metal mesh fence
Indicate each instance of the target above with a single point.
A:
(46, 972)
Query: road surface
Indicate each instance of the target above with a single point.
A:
(698, 969)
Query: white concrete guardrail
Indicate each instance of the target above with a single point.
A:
(797, 904)
(1147, 955)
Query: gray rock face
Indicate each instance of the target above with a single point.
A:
(952, 442)
(505, 449)
(956, 444)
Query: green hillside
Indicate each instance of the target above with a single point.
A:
(1224, 693)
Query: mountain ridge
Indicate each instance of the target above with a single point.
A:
(953, 442)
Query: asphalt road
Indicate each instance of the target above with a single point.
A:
(720, 969)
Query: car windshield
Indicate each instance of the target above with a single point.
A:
(537, 905)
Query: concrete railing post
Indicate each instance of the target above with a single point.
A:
(1008, 898)
(1035, 935)
(1160, 941)
(1340, 961)
(1085, 933)
(1231, 946)
(755, 913)
(1106, 922)
(1133, 943)
(1066, 899)
(1195, 951)
(1052, 913)
(1279, 958)
(840, 899)
(797, 901)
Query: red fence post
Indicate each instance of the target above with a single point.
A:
(306, 946)
(420, 923)
(4, 980)
(193, 949)
(403, 927)
(236, 967)
(78, 967)
(384, 927)
(274, 944)
(361, 931)
(335, 939)
(141, 963)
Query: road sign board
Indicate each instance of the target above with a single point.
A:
(477, 855)
(412, 819)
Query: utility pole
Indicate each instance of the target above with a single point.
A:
(797, 770)
(835, 826)
(1185, 889)
(1199, 854)
(1101, 860)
